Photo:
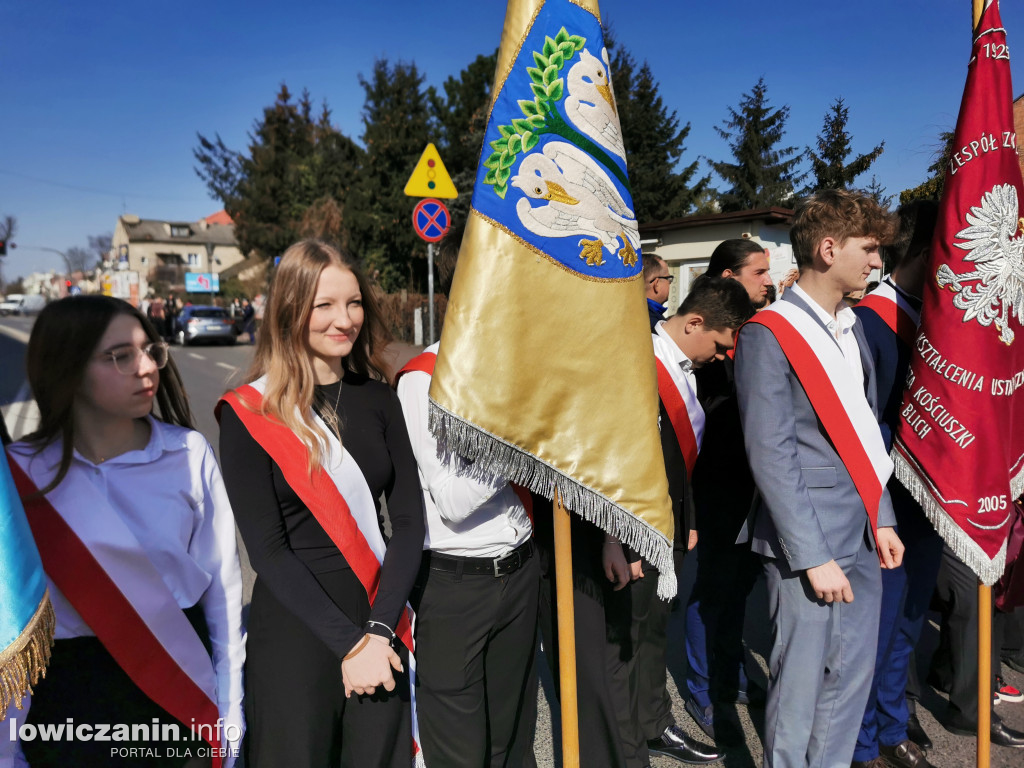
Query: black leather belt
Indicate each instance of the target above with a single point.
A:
(481, 566)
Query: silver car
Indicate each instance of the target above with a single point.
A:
(201, 323)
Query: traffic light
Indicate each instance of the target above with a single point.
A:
(3, 247)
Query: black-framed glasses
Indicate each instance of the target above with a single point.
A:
(126, 359)
(670, 278)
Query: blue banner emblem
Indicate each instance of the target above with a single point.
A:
(554, 171)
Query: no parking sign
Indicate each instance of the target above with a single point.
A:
(430, 219)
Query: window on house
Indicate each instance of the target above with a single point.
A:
(193, 259)
(180, 231)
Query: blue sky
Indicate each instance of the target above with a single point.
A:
(102, 99)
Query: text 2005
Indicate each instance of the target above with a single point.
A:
(991, 504)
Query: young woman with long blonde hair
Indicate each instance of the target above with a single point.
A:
(309, 447)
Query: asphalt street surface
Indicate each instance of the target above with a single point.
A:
(209, 370)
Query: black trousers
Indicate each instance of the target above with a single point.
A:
(295, 707)
(955, 664)
(597, 696)
(476, 682)
(649, 676)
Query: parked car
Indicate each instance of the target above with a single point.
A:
(11, 305)
(21, 304)
(203, 323)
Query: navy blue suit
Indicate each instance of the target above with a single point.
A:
(906, 591)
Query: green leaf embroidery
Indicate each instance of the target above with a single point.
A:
(562, 36)
(540, 91)
(550, 74)
(531, 142)
(515, 144)
(567, 49)
(529, 107)
(577, 41)
(500, 190)
(549, 46)
(502, 175)
(537, 121)
(540, 61)
(491, 176)
(526, 138)
(555, 90)
(492, 161)
(557, 59)
(520, 125)
(536, 74)
(506, 160)
(505, 131)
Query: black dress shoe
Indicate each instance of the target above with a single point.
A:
(906, 754)
(675, 743)
(916, 733)
(1000, 733)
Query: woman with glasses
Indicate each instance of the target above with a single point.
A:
(130, 515)
(309, 447)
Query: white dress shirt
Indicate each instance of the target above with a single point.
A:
(678, 357)
(171, 496)
(841, 328)
(465, 516)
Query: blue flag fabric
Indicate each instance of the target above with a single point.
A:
(26, 616)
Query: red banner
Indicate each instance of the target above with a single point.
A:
(959, 446)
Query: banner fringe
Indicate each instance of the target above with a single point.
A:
(492, 456)
(24, 661)
(989, 570)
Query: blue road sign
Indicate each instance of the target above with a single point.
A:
(431, 219)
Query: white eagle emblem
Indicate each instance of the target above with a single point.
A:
(997, 251)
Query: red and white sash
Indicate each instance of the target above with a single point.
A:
(96, 562)
(338, 497)
(895, 311)
(679, 399)
(837, 399)
(424, 363)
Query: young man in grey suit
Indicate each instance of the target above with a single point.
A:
(807, 398)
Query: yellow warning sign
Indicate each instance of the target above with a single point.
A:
(430, 178)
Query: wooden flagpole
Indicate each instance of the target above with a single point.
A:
(566, 636)
(984, 602)
(984, 675)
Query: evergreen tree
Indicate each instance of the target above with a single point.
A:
(932, 188)
(763, 173)
(877, 192)
(462, 118)
(294, 163)
(654, 143)
(828, 164)
(397, 126)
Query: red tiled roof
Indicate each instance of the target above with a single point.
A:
(220, 217)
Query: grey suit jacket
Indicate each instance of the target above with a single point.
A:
(810, 511)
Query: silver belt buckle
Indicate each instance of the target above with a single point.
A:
(496, 561)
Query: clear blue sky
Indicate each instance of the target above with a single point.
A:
(101, 100)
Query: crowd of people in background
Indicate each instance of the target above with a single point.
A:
(377, 638)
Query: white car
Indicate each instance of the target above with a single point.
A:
(11, 305)
(20, 304)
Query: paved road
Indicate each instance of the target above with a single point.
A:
(208, 371)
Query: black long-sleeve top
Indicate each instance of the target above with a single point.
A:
(290, 551)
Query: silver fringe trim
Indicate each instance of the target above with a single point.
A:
(492, 456)
(989, 570)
